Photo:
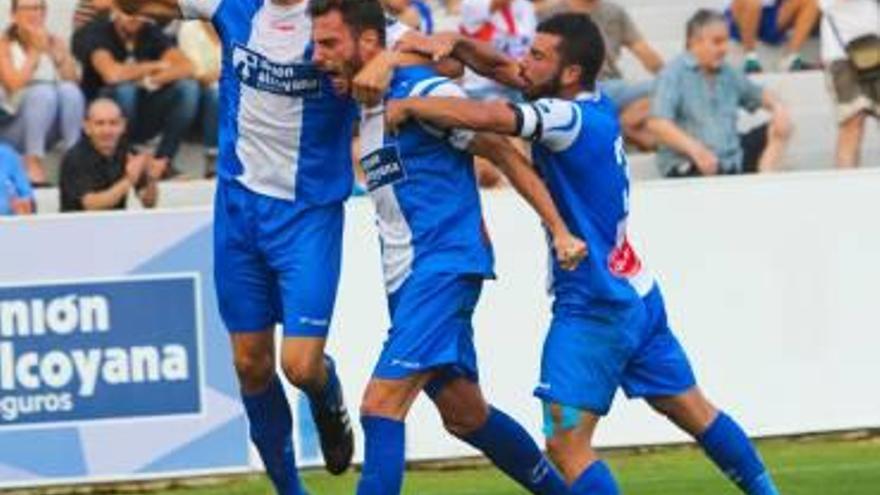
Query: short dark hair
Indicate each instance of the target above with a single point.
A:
(581, 44)
(701, 19)
(360, 15)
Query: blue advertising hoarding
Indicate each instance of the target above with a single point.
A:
(100, 350)
(114, 364)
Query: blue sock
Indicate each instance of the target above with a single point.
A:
(510, 447)
(384, 456)
(732, 451)
(271, 426)
(328, 396)
(595, 480)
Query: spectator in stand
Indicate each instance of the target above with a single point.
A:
(99, 172)
(42, 104)
(633, 99)
(413, 13)
(508, 25)
(130, 60)
(773, 21)
(16, 196)
(88, 10)
(200, 43)
(696, 106)
(856, 97)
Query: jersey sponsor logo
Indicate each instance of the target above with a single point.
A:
(623, 260)
(296, 80)
(383, 167)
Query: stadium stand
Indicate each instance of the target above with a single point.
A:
(811, 147)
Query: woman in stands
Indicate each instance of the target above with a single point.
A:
(41, 102)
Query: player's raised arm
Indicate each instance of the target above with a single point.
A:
(479, 56)
(550, 121)
(569, 249)
(450, 112)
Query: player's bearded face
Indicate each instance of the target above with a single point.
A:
(542, 68)
(336, 50)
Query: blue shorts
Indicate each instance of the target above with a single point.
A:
(431, 328)
(768, 30)
(588, 355)
(275, 261)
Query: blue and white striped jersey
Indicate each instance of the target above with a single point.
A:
(283, 131)
(423, 185)
(579, 151)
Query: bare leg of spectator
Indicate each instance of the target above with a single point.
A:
(777, 141)
(747, 15)
(634, 119)
(801, 16)
(849, 141)
(70, 114)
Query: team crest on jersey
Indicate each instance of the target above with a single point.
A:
(623, 260)
(383, 167)
(298, 80)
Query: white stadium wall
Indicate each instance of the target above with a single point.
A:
(770, 282)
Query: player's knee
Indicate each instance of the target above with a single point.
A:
(255, 370)
(461, 423)
(376, 404)
(569, 453)
(303, 372)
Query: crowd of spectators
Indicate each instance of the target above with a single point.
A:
(149, 87)
(689, 111)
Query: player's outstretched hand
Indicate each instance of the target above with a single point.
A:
(570, 251)
(396, 114)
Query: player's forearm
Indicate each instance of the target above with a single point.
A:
(458, 113)
(157, 9)
(522, 177)
(488, 62)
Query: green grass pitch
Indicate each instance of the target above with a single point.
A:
(801, 467)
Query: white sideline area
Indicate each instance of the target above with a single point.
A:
(770, 283)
